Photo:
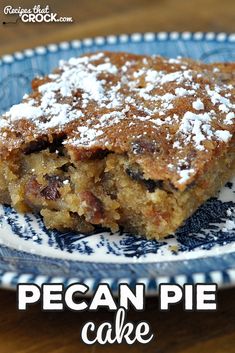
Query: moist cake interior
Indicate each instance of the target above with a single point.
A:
(120, 140)
(105, 190)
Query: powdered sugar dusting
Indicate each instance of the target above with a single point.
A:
(185, 175)
(198, 104)
(222, 135)
(196, 128)
(87, 136)
(230, 118)
(27, 110)
(129, 98)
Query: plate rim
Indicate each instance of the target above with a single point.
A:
(223, 278)
(112, 39)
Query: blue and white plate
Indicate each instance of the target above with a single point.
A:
(203, 250)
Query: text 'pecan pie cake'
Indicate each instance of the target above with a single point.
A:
(120, 140)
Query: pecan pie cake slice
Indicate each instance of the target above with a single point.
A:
(120, 140)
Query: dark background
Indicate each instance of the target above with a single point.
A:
(100, 17)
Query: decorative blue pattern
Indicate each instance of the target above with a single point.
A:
(202, 250)
(204, 230)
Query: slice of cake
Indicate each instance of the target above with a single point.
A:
(120, 140)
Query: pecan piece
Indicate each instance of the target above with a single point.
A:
(93, 207)
(150, 184)
(50, 192)
(32, 194)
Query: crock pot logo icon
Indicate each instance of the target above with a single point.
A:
(35, 14)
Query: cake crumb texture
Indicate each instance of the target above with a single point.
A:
(118, 139)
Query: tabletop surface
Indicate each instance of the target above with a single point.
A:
(175, 331)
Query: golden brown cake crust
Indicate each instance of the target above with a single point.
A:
(170, 116)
